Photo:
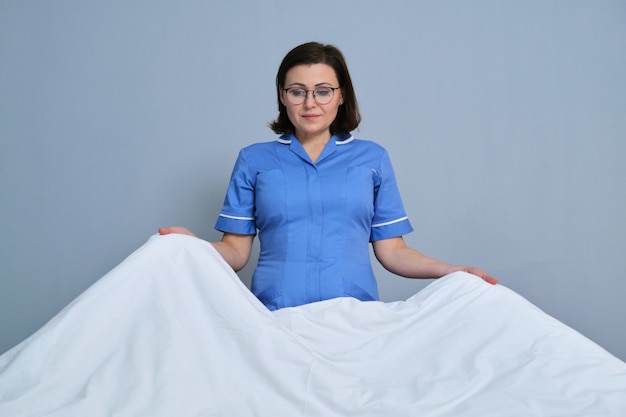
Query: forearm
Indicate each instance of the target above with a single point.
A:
(409, 263)
(232, 257)
(402, 260)
(235, 249)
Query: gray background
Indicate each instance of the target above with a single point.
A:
(505, 120)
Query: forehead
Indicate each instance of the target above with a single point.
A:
(311, 75)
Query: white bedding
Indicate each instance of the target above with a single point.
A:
(173, 332)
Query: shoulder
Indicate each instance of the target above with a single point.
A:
(261, 156)
(367, 145)
(260, 150)
(369, 148)
(260, 147)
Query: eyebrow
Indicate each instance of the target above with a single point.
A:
(304, 85)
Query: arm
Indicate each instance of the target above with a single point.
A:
(235, 249)
(402, 260)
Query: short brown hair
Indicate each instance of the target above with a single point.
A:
(348, 116)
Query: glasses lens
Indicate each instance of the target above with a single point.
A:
(296, 95)
(323, 95)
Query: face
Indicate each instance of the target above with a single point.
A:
(311, 119)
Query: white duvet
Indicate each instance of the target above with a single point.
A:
(173, 332)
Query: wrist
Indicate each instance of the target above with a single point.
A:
(456, 268)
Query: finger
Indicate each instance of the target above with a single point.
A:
(490, 279)
(174, 229)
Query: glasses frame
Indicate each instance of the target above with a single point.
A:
(286, 90)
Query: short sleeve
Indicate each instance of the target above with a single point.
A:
(237, 214)
(390, 219)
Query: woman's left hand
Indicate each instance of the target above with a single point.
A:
(481, 274)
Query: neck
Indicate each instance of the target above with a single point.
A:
(314, 140)
(313, 144)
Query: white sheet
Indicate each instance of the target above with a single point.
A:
(173, 332)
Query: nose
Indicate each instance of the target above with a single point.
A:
(309, 100)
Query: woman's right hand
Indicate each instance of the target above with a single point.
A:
(175, 229)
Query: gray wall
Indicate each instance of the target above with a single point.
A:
(505, 121)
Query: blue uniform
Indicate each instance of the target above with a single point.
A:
(314, 220)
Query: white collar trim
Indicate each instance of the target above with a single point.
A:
(337, 142)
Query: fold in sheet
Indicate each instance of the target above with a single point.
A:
(173, 331)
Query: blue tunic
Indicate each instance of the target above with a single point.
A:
(314, 220)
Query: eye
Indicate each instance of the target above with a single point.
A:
(323, 91)
(297, 92)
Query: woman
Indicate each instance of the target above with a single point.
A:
(173, 331)
(317, 196)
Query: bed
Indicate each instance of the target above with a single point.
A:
(172, 331)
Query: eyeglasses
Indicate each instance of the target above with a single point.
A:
(322, 95)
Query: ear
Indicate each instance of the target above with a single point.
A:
(281, 95)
